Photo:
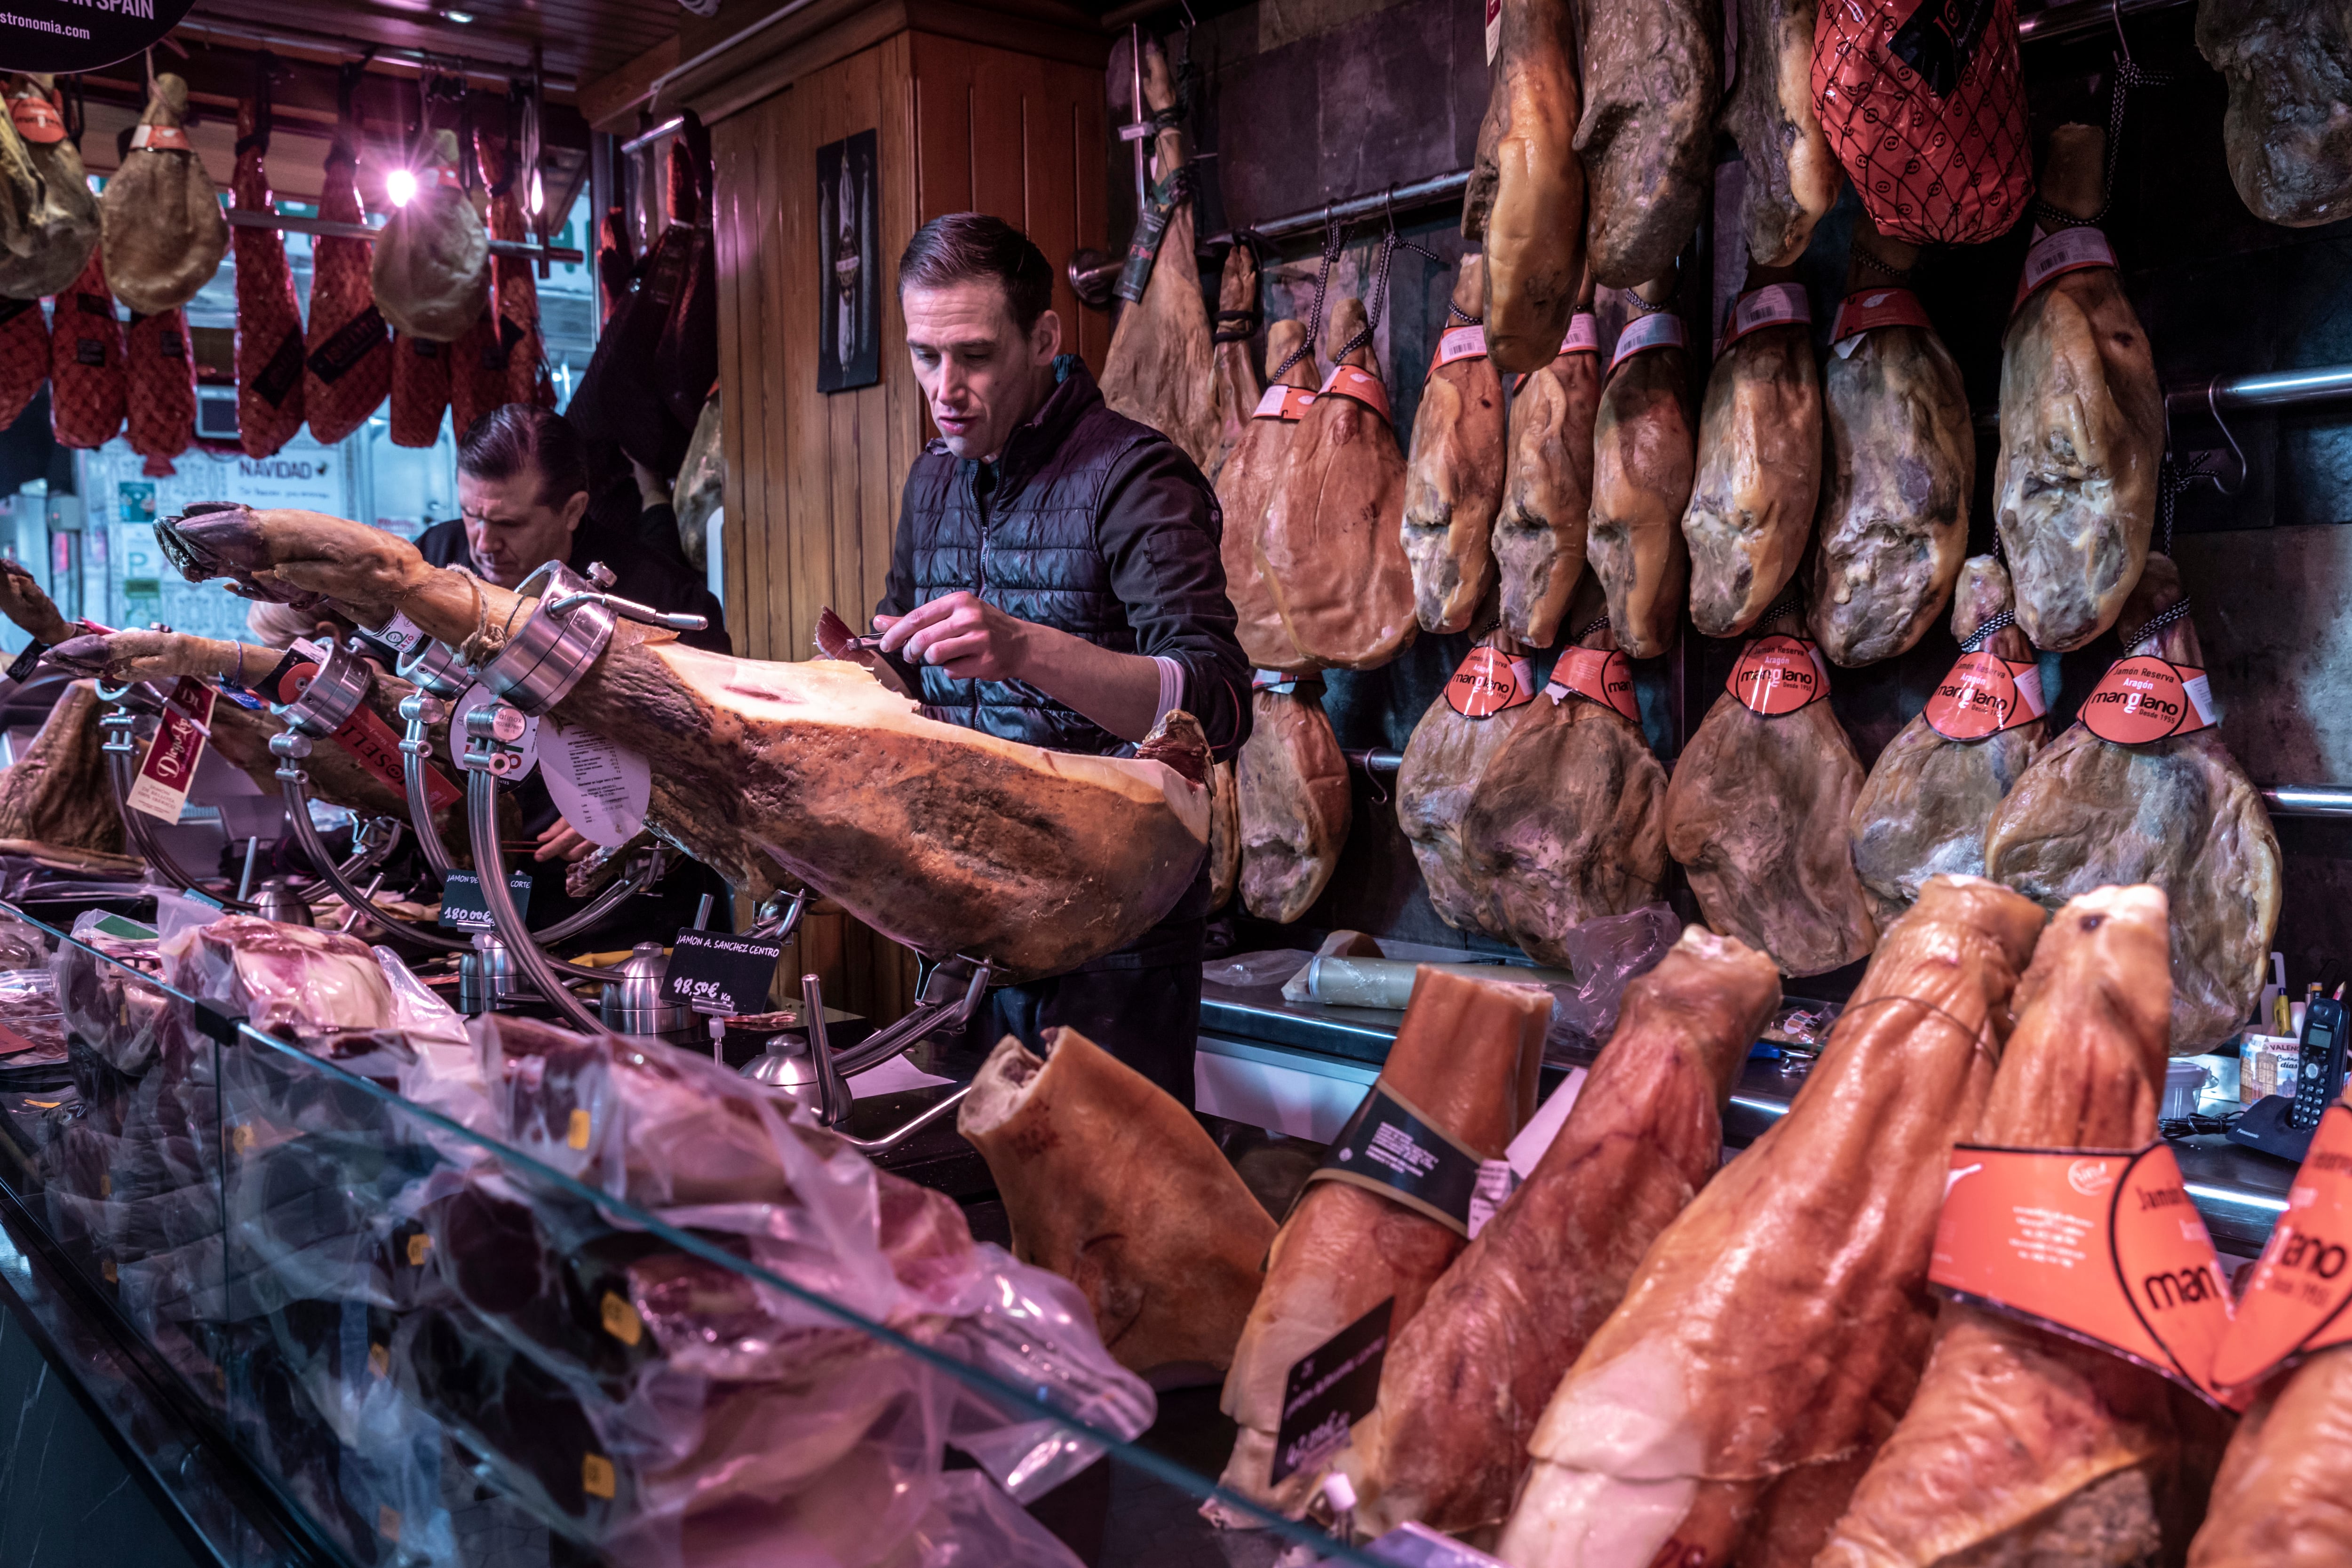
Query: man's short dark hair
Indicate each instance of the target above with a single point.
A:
(960, 246)
(517, 435)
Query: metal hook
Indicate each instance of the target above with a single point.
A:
(2213, 406)
(2116, 16)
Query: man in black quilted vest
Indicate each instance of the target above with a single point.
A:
(1056, 579)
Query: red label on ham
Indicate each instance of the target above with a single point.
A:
(2054, 255)
(1983, 695)
(1363, 385)
(1597, 675)
(1285, 402)
(1459, 343)
(1878, 308)
(1779, 674)
(2297, 1299)
(1659, 330)
(1488, 682)
(368, 739)
(1774, 305)
(2143, 699)
(37, 120)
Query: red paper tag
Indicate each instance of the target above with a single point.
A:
(1599, 674)
(1489, 681)
(1282, 402)
(1779, 674)
(2101, 1244)
(1659, 330)
(1983, 695)
(1583, 334)
(1878, 308)
(1774, 305)
(2296, 1298)
(1459, 343)
(2068, 250)
(369, 741)
(36, 120)
(161, 139)
(2144, 698)
(1360, 385)
(169, 770)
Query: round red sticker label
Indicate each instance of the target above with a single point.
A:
(1983, 695)
(1488, 682)
(2143, 699)
(1599, 675)
(1777, 675)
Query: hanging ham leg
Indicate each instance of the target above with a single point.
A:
(2288, 130)
(2280, 1501)
(420, 389)
(1112, 1185)
(1783, 1311)
(1292, 788)
(1225, 835)
(1900, 465)
(1792, 177)
(160, 224)
(2180, 812)
(1037, 860)
(1328, 549)
(1923, 810)
(1650, 82)
(1540, 534)
(61, 227)
(514, 291)
(2082, 430)
(268, 319)
(1526, 200)
(1643, 460)
(2022, 1445)
(1236, 387)
(350, 352)
(1244, 485)
(1759, 476)
(1443, 765)
(1157, 369)
(1467, 1380)
(1467, 1057)
(24, 356)
(159, 374)
(1454, 480)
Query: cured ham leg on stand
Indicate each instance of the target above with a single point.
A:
(2022, 1445)
(2178, 812)
(1328, 549)
(2279, 1499)
(1759, 475)
(1244, 485)
(1923, 810)
(1454, 480)
(57, 793)
(2288, 128)
(1443, 765)
(1792, 177)
(1525, 201)
(1157, 369)
(1780, 1320)
(1465, 1382)
(1644, 458)
(1541, 531)
(1650, 82)
(1757, 814)
(1465, 1061)
(1291, 784)
(1110, 1183)
(940, 837)
(1568, 822)
(2082, 430)
(1902, 463)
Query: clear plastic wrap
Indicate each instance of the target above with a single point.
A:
(32, 1029)
(1604, 954)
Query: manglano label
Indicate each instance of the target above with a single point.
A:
(1983, 695)
(1779, 674)
(2143, 699)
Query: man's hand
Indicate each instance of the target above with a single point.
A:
(970, 639)
(562, 842)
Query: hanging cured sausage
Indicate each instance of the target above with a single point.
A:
(1525, 204)
(420, 389)
(1245, 484)
(348, 362)
(1643, 460)
(1542, 533)
(60, 227)
(87, 390)
(269, 380)
(160, 219)
(1453, 480)
(160, 373)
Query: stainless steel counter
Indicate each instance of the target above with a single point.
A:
(2240, 1193)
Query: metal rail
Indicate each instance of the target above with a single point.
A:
(332, 230)
(2271, 389)
(539, 971)
(2307, 800)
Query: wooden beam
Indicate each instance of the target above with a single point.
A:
(609, 102)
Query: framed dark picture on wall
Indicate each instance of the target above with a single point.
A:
(849, 334)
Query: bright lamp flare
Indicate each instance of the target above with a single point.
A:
(401, 186)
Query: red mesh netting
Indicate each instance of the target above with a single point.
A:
(85, 386)
(478, 374)
(161, 376)
(516, 302)
(24, 356)
(350, 369)
(1924, 104)
(270, 347)
(420, 389)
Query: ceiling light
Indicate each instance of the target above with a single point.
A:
(463, 19)
(537, 194)
(401, 186)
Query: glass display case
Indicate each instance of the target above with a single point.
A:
(489, 1292)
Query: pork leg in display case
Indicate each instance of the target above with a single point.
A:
(1526, 200)
(1541, 533)
(2022, 1444)
(1782, 1318)
(1467, 1379)
(1111, 1183)
(1454, 479)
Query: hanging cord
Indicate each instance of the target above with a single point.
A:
(1376, 300)
(1590, 627)
(1334, 231)
(2126, 76)
(2176, 611)
(1978, 637)
(1790, 603)
(1900, 277)
(1640, 307)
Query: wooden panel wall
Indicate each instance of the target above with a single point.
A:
(814, 481)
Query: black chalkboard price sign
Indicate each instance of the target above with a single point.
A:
(463, 907)
(82, 35)
(712, 972)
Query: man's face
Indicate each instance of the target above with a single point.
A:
(980, 372)
(509, 531)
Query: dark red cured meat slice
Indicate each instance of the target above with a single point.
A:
(514, 299)
(269, 348)
(349, 371)
(420, 389)
(87, 387)
(24, 356)
(161, 376)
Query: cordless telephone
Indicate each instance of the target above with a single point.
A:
(2282, 1124)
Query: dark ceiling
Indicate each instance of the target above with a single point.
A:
(582, 39)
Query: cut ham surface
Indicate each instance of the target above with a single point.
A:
(1454, 479)
(1109, 1183)
(347, 367)
(2177, 812)
(2082, 430)
(270, 380)
(1542, 533)
(1525, 204)
(1465, 1062)
(1467, 1380)
(1645, 458)
(2022, 1445)
(1293, 804)
(87, 392)
(1244, 485)
(1760, 477)
(1780, 1321)
(160, 219)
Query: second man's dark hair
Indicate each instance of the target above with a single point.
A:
(960, 246)
(516, 436)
